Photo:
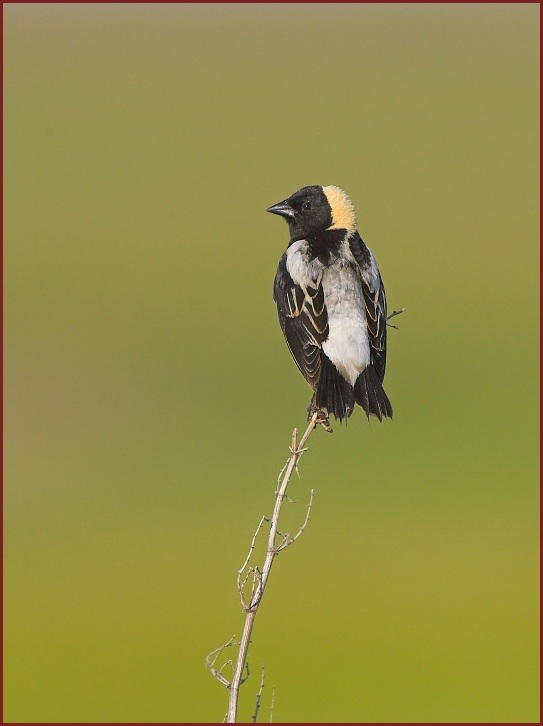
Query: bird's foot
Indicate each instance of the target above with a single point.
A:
(322, 418)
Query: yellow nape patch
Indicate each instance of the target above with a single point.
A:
(343, 214)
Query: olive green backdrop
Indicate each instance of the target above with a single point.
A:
(150, 397)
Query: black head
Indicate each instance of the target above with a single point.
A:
(314, 209)
(307, 212)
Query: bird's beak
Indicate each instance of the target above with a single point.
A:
(283, 209)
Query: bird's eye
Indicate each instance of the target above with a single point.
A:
(306, 206)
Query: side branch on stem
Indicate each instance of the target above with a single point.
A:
(259, 576)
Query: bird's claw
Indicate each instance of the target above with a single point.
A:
(322, 418)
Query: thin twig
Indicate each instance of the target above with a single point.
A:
(212, 659)
(272, 704)
(259, 694)
(395, 312)
(248, 674)
(291, 540)
(241, 583)
(296, 451)
(393, 315)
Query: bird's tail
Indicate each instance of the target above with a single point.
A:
(334, 394)
(369, 393)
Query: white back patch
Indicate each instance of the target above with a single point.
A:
(302, 271)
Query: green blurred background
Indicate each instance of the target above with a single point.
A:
(150, 398)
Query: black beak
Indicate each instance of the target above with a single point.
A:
(283, 209)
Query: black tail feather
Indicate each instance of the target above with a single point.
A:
(334, 394)
(369, 394)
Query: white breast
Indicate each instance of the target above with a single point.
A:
(347, 345)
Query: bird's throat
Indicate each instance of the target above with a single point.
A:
(326, 245)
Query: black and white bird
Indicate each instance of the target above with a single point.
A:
(331, 304)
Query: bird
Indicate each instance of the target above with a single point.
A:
(331, 304)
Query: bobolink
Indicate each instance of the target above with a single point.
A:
(331, 304)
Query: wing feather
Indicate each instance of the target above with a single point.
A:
(375, 303)
(304, 321)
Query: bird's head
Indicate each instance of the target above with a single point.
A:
(316, 209)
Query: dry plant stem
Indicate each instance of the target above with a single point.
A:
(272, 704)
(296, 450)
(259, 694)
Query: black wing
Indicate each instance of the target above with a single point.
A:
(304, 321)
(376, 303)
